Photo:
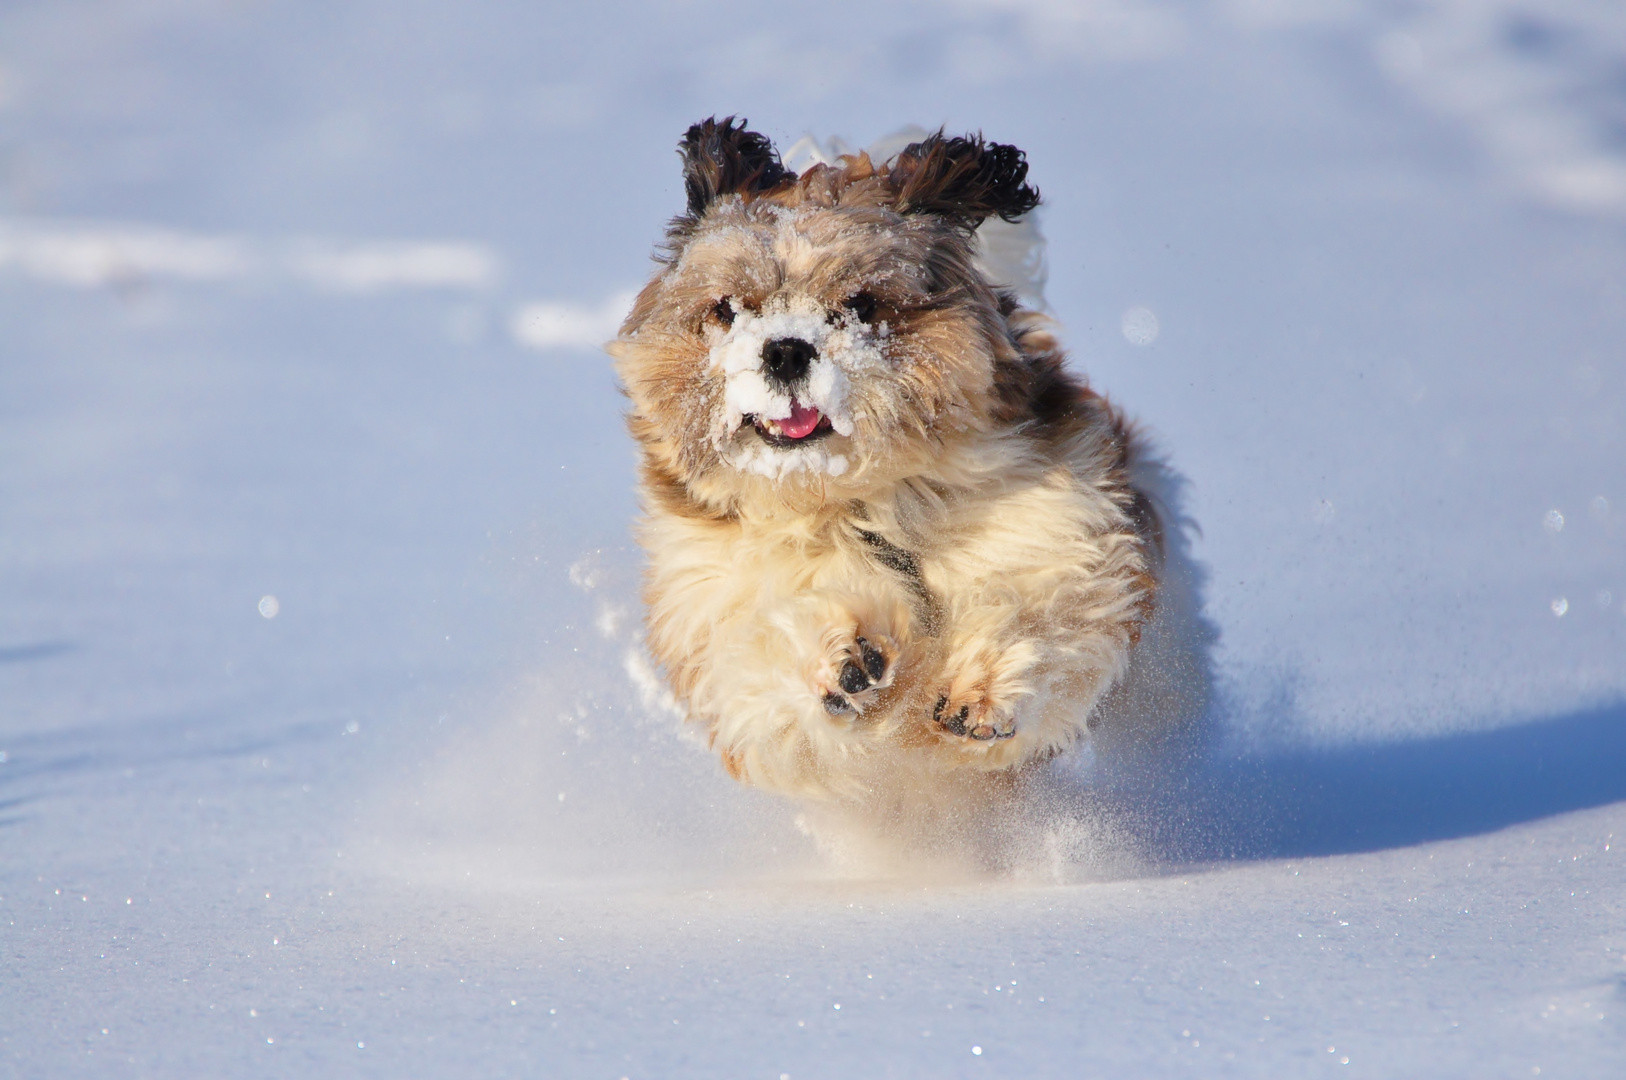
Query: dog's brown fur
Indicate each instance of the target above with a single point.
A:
(946, 591)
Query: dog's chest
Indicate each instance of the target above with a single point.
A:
(720, 578)
(836, 555)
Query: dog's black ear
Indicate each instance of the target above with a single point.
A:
(721, 158)
(963, 179)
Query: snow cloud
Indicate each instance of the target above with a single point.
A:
(373, 267)
(92, 254)
(564, 324)
(86, 254)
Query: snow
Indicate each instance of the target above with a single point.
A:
(432, 816)
(544, 324)
(842, 349)
(99, 254)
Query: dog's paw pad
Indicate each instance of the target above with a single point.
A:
(863, 669)
(973, 720)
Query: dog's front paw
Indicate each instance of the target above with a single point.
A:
(855, 671)
(974, 714)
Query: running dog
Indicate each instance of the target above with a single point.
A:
(891, 538)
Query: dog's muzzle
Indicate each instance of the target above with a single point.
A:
(785, 363)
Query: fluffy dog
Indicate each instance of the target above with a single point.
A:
(892, 541)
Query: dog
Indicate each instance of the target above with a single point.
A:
(893, 543)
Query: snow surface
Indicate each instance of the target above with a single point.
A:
(324, 748)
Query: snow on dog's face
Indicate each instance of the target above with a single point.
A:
(786, 374)
(824, 334)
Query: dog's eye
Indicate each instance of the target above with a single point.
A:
(723, 311)
(861, 306)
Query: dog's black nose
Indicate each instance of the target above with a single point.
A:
(786, 359)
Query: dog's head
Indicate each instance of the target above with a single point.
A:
(824, 334)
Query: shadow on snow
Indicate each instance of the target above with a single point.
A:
(42, 650)
(35, 763)
(1369, 797)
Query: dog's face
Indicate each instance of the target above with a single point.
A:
(821, 335)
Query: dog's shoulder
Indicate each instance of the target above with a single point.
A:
(1037, 392)
(1034, 390)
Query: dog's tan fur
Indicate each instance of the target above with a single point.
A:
(982, 537)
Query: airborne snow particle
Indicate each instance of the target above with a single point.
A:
(584, 572)
(1553, 522)
(977, 1050)
(1560, 606)
(1600, 507)
(269, 606)
(1139, 326)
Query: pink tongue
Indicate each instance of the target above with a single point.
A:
(803, 419)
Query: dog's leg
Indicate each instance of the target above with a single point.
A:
(982, 682)
(854, 670)
(857, 645)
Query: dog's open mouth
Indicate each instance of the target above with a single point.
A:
(804, 424)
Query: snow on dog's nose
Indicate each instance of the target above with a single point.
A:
(787, 373)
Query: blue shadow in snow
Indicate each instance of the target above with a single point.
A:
(42, 650)
(38, 762)
(1372, 797)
